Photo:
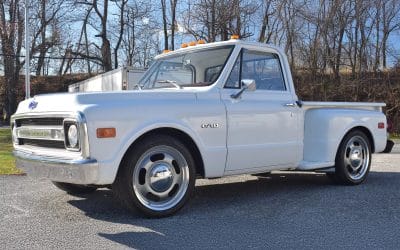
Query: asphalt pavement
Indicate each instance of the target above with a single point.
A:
(286, 210)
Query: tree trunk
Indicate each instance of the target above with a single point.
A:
(173, 23)
(42, 46)
(164, 18)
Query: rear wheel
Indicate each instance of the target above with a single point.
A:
(157, 177)
(353, 159)
(74, 188)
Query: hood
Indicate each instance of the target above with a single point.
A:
(71, 102)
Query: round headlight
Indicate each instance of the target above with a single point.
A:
(73, 136)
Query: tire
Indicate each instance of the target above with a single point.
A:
(74, 188)
(353, 159)
(156, 177)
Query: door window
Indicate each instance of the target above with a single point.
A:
(264, 68)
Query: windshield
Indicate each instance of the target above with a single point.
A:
(194, 69)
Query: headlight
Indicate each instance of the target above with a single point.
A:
(72, 136)
(71, 132)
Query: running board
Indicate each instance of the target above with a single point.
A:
(311, 165)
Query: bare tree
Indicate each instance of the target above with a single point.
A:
(44, 26)
(121, 30)
(165, 23)
(390, 22)
(11, 34)
(105, 46)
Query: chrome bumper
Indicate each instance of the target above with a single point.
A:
(84, 171)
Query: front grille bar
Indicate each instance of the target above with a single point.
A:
(41, 133)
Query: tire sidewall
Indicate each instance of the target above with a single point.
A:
(341, 173)
(130, 163)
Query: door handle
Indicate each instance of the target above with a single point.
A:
(289, 104)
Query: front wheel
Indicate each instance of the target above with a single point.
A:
(353, 159)
(157, 176)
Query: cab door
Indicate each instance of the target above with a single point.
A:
(263, 125)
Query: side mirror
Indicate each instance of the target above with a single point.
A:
(247, 84)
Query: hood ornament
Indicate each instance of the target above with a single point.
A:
(33, 104)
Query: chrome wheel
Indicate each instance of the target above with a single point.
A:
(161, 178)
(356, 157)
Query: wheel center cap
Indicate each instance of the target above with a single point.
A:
(355, 158)
(161, 177)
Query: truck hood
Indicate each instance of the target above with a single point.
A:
(72, 102)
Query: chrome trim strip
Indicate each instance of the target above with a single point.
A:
(81, 171)
(41, 133)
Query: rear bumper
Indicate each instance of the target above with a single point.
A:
(82, 171)
(389, 146)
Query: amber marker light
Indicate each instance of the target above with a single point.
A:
(184, 45)
(106, 132)
(192, 44)
(166, 51)
(201, 41)
(235, 36)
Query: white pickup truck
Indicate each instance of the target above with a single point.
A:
(203, 111)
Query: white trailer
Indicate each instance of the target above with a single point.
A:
(123, 78)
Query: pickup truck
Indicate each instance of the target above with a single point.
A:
(203, 111)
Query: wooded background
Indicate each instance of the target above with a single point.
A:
(337, 49)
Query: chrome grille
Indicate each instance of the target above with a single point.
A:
(58, 121)
(44, 134)
(40, 132)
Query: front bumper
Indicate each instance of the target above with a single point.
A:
(83, 171)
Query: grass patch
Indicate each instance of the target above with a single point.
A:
(7, 162)
(394, 136)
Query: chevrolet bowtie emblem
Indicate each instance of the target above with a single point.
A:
(33, 104)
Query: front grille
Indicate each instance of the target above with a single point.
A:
(42, 143)
(40, 122)
(44, 134)
(40, 132)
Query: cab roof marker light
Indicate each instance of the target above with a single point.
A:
(235, 36)
(201, 41)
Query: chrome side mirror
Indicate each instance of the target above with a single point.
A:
(247, 84)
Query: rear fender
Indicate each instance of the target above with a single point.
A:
(325, 128)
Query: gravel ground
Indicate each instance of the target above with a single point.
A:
(287, 210)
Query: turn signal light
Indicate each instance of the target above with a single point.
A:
(106, 132)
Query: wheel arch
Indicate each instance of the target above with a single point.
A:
(176, 133)
(363, 129)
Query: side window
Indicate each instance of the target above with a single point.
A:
(262, 67)
(211, 74)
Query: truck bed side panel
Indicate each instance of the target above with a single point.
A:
(324, 128)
